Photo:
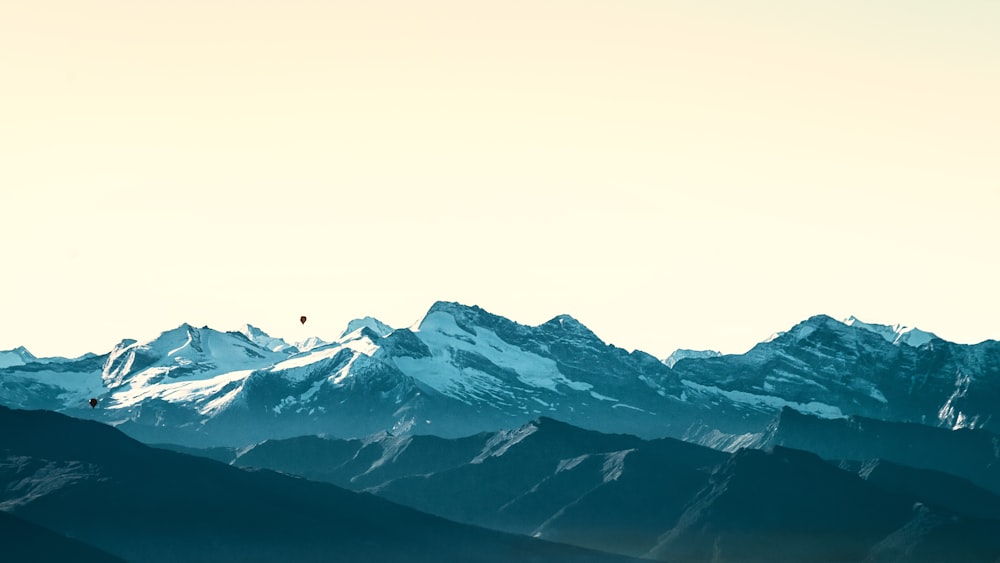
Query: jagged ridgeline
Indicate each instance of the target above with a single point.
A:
(462, 370)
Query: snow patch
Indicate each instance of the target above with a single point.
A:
(876, 394)
(624, 406)
(614, 465)
(181, 391)
(302, 360)
(949, 415)
(447, 378)
(729, 442)
(768, 402)
(361, 345)
(503, 441)
(310, 343)
(439, 331)
(568, 464)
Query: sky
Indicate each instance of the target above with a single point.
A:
(670, 173)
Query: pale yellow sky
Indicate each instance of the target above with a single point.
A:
(673, 174)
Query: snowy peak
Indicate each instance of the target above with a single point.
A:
(16, 357)
(188, 342)
(187, 351)
(684, 353)
(452, 307)
(371, 323)
(896, 334)
(805, 328)
(310, 343)
(467, 318)
(264, 340)
(462, 316)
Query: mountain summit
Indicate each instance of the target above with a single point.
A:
(896, 334)
(371, 323)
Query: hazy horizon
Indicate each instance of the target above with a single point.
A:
(672, 174)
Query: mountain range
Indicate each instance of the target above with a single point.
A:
(74, 488)
(462, 370)
(468, 436)
(663, 499)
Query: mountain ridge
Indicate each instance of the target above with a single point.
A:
(667, 498)
(461, 369)
(91, 482)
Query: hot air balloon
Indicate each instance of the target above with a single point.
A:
(93, 403)
(302, 319)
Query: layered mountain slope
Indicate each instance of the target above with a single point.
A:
(359, 463)
(546, 478)
(932, 536)
(671, 499)
(786, 505)
(934, 488)
(973, 454)
(834, 369)
(142, 504)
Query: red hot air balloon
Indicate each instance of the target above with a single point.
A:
(93, 403)
(302, 319)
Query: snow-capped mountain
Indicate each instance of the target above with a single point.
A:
(460, 370)
(264, 340)
(457, 371)
(834, 369)
(371, 323)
